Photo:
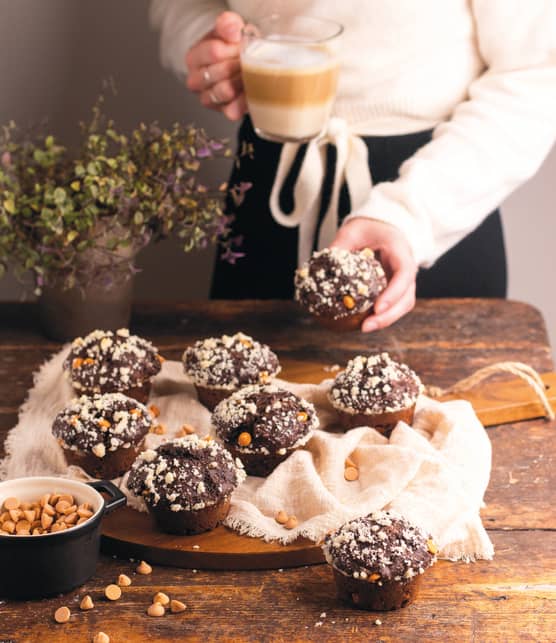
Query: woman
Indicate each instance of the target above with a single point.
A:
(455, 100)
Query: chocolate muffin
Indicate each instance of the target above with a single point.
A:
(186, 483)
(378, 560)
(103, 434)
(375, 391)
(110, 362)
(339, 287)
(263, 425)
(220, 366)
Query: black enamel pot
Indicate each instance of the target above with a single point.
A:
(49, 564)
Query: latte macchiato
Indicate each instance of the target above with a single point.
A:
(290, 84)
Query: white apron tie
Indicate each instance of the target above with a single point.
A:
(352, 166)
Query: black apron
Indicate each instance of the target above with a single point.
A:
(475, 267)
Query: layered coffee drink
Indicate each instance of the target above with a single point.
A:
(290, 84)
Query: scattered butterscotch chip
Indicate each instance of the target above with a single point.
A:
(302, 416)
(11, 503)
(158, 429)
(244, 439)
(143, 568)
(86, 603)
(101, 637)
(160, 359)
(156, 609)
(291, 523)
(124, 581)
(112, 592)
(155, 411)
(186, 429)
(281, 517)
(62, 615)
(432, 546)
(351, 474)
(162, 598)
(88, 360)
(177, 606)
(264, 377)
(77, 362)
(349, 463)
(374, 577)
(104, 424)
(348, 301)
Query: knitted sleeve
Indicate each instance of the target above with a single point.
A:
(493, 142)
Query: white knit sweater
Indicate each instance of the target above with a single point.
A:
(482, 73)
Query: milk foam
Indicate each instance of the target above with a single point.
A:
(287, 55)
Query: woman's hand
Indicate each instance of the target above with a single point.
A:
(397, 259)
(214, 70)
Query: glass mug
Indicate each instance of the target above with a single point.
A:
(289, 66)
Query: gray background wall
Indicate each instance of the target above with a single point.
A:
(55, 54)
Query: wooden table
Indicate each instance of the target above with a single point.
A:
(508, 599)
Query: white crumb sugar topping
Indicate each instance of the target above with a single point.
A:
(375, 384)
(383, 546)
(274, 425)
(187, 473)
(333, 273)
(102, 423)
(230, 361)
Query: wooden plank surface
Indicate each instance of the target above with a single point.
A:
(508, 599)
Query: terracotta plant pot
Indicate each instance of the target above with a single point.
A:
(74, 312)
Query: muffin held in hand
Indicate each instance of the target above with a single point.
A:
(103, 434)
(263, 425)
(110, 362)
(378, 560)
(220, 366)
(375, 391)
(186, 484)
(339, 287)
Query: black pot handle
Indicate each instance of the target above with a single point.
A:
(117, 498)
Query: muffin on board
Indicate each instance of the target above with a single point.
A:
(264, 425)
(186, 484)
(375, 390)
(219, 366)
(108, 362)
(103, 434)
(378, 560)
(339, 287)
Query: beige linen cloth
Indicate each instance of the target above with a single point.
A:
(435, 473)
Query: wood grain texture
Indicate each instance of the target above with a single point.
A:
(508, 599)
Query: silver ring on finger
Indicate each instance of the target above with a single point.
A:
(206, 76)
(214, 98)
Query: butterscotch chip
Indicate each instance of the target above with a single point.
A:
(112, 592)
(4, 516)
(162, 598)
(348, 301)
(15, 514)
(9, 526)
(244, 439)
(156, 609)
(45, 500)
(143, 568)
(48, 510)
(62, 615)
(70, 510)
(84, 513)
(11, 503)
(351, 474)
(58, 526)
(349, 463)
(281, 517)
(22, 526)
(177, 606)
(71, 519)
(54, 499)
(86, 603)
(61, 506)
(432, 546)
(37, 531)
(46, 520)
(124, 581)
(186, 429)
(155, 411)
(291, 523)
(29, 515)
(158, 429)
(101, 637)
(66, 497)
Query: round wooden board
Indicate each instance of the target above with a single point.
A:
(131, 534)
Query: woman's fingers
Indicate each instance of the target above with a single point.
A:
(222, 93)
(204, 77)
(209, 52)
(235, 110)
(395, 311)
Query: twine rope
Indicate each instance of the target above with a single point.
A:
(525, 372)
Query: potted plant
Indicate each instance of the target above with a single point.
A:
(74, 224)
